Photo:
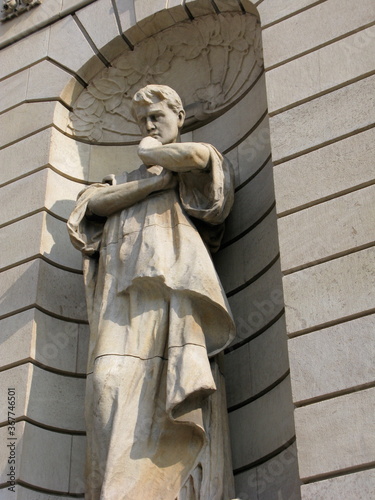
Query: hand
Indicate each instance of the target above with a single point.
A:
(167, 178)
(149, 142)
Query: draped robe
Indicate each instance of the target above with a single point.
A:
(155, 403)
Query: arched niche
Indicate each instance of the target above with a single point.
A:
(214, 61)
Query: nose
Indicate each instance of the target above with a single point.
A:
(149, 125)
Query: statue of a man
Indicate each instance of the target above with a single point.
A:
(155, 403)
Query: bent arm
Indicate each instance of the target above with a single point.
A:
(112, 199)
(177, 157)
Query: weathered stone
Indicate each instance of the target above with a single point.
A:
(99, 21)
(52, 471)
(331, 228)
(258, 304)
(251, 203)
(257, 429)
(48, 81)
(233, 125)
(45, 397)
(61, 294)
(24, 53)
(45, 188)
(326, 172)
(254, 150)
(65, 37)
(306, 31)
(25, 156)
(25, 119)
(312, 74)
(339, 289)
(276, 478)
(13, 90)
(273, 10)
(344, 354)
(244, 254)
(46, 236)
(256, 365)
(343, 112)
(49, 341)
(354, 486)
(328, 439)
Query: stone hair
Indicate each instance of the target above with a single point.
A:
(152, 94)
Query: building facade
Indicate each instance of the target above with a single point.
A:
(283, 88)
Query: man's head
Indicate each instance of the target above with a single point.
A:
(159, 112)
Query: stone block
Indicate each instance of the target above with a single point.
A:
(228, 5)
(354, 486)
(17, 378)
(17, 338)
(46, 189)
(251, 203)
(105, 160)
(152, 17)
(73, 5)
(99, 21)
(25, 119)
(256, 365)
(13, 90)
(69, 156)
(77, 467)
(200, 7)
(45, 397)
(339, 289)
(254, 150)
(65, 37)
(12, 450)
(336, 434)
(232, 156)
(262, 426)
(29, 22)
(251, 6)
(126, 12)
(331, 228)
(258, 304)
(311, 75)
(56, 291)
(342, 112)
(275, 479)
(177, 11)
(83, 348)
(328, 171)
(25, 156)
(243, 260)
(306, 31)
(56, 344)
(48, 81)
(51, 470)
(273, 10)
(231, 127)
(333, 360)
(24, 53)
(45, 236)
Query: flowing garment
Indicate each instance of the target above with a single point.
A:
(155, 401)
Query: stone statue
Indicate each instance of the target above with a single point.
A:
(155, 402)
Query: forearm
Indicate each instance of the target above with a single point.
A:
(177, 157)
(112, 199)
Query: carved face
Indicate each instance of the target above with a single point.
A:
(159, 121)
